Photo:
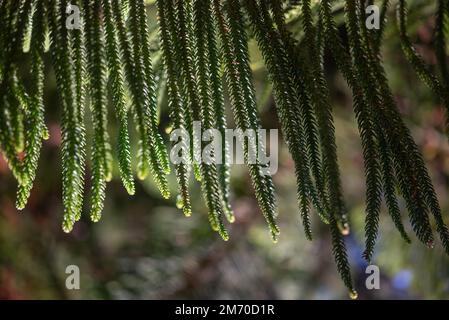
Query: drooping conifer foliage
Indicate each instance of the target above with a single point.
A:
(105, 66)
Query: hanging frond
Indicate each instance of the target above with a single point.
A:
(145, 103)
(270, 44)
(137, 98)
(341, 257)
(73, 145)
(419, 180)
(369, 128)
(180, 24)
(417, 61)
(441, 27)
(377, 41)
(159, 152)
(295, 65)
(218, 109)
(177, 112)
(291, 125)
(323, 109)
(79, 57)
(413, 178)
(236, 70)
(389, 191)
(116, 82)
(256, 146)
(101, 157)
(35, 114)
(209, 179)
(17, 19)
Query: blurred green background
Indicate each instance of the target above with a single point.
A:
(144, 248)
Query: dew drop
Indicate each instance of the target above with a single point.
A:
(142, 174)
(108, 177)
(346, 230)
(353, 294)
(179, 202)
(45, 134)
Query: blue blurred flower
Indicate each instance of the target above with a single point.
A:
(402, 280)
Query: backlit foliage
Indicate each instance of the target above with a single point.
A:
(203, 48)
